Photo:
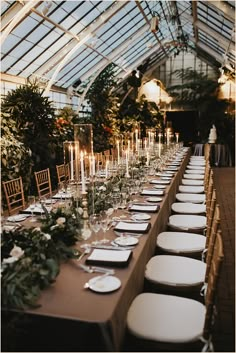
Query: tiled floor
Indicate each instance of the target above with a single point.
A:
(224, 333)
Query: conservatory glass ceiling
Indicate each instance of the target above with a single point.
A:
(59, 42)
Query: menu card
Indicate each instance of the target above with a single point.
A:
(109, 257)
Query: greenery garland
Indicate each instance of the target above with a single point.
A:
(31, 258)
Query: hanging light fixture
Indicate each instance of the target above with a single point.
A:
(154, 91)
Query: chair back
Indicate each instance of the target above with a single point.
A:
(14, 193)
(216, 262)
(43, 183)
(207, 151)
(210, 240)
(210, 211)
(62, 173)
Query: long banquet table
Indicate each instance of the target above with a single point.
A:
(68, 300)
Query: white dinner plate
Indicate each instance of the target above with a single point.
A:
(17, 218)
(140, 217)
(102, 284)
(50, 201)
(154, 199)
(126, 241)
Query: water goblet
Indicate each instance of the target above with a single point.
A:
(31, 201)
(115, 201)
(104, 225)
(95, 225)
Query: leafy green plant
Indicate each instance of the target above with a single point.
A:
(201, 93)
(30, 117)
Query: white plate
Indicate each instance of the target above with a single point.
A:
(160, 186)
(140, 217)
(154, 199)
(126, 241)
(50, 201)
(17, 218)
(102, 284)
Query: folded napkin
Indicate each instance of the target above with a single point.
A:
(152, 192)
(109, 257)
(38, 209)
(17, 218)
(63, 195)
(144, 207)
(142, 227)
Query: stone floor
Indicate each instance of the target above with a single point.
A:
(224, 333)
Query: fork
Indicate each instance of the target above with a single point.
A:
(91, 269)
(85, 252)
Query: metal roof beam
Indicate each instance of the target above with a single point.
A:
(227, 9)
(148, 22)
(200, 25)
(117, 52)
(17, 18)
(82, 37)
(211, 52)
(194, 9)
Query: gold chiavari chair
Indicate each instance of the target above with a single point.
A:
(14, 193)
(62, 173)
(43, 183)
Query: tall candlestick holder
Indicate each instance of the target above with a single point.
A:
(85, 231)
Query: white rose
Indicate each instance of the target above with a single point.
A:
(17, 252)
(61, 220)
(47, 236)
(80, 210)
(9, 260)
(102, 188)
(109, 211)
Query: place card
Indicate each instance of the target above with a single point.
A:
(129, 226)
(109, 257)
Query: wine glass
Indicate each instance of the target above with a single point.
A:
(31, 201)
(105, 221)
(115, 201)
(95, 224)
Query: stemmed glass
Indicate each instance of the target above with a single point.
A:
(105, 221)
(95, 224)
(31, 201)
(115, 201)
(42, 201)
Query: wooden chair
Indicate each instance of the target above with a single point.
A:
(43, 183)
(161, 322)
(14, 194)
(63, 173)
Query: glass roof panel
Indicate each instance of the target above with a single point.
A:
(37, 45)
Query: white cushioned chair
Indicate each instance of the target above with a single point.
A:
(192, 182)
(186, 243)
(193, 198)
(194, 176)
(194, 167)
(173, 322)
(184, 222)
(191, 189)
(188, 208)
(195, 171)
